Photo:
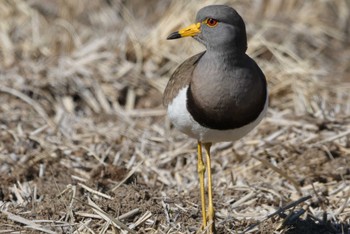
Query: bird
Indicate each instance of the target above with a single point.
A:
(218, 95)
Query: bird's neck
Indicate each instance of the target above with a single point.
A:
(235, 48)
(225, 57)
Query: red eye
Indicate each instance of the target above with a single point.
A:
(211, 22)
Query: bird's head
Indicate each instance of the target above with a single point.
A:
(218, 27)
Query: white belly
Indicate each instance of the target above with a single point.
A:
(183, 121)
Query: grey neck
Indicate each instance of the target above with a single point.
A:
(222, 57)
(237, 47)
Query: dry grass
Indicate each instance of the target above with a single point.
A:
(85, 146)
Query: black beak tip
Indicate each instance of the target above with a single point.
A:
(174, 35)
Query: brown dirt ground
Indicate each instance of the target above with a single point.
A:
(85, 146)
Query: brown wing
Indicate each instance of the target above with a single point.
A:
(180, 78)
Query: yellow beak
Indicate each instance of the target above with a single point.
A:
(189, 31)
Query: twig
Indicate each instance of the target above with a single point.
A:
(279, 171)
(36, 106)
(332, 138)
(27, 222)
(107, 217)
(127, 176)
(95, 192)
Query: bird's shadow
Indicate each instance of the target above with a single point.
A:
(310, 225)
(295, 222)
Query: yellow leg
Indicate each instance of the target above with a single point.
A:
(211, 214)
(201, 171)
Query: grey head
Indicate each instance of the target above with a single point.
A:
(227, 34)
(219, 27)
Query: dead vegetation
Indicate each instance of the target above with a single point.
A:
(85, 146)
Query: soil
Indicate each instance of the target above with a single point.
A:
(86, 147)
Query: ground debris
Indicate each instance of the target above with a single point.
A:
(85, 146)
